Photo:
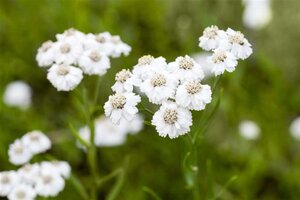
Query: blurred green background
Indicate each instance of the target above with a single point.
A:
(264, 88)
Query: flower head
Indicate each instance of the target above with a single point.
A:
(36, 142)
(172, 120)
(222, 60)
(159, 86)
(19, 153)
(237, 44)
(49, 183)
(249, 130)
(18, 93)
(45, 54)
(22, 192)
(64, 77)
(124, 81)
(94, 62)
(28, 173)
(185, 69)
(8, 180)
(193, 95)
(210, 38)
(122, 106)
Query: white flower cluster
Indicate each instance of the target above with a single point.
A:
(23, 149)
(44, 179)
(109, 134)
(75, 53)
(227, 47)
(176, 86)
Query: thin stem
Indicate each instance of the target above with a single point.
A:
(91, 151)
(97, 90)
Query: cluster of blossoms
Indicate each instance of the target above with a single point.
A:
(227, 47)
(176, 86)
(109, 134)
(75, 53)
(45, 179)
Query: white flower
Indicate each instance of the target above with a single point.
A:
(72, 34)
(18, 153)
(193, 95)
(22, 192)
(257, 14)
(108, 134)
(124, 81)
(146, 65)
(64, 77)
(237, 44)
(36, 141)
(159, 86)
(99, 42)
(45, 55)
(210, 38)
(8, 180)
(222, 60)
(122, 106)
(295, 128)
(49, 183)
(201, 59)
(67, 51)
(172, 120)
(94, 62)
(119, 47)
(134, 126)
(186, 69)
(29, 173)
(59, 167)
(18, 93)
(249, 130)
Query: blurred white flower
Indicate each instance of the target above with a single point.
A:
(222, 60)
(134, 126)
(22, 192)
(94, 62)
(119, 47)
(49, 183)
(8, 180)
(237, 44)
(122, 106)
(67, 51)
(109, 134)
(172, 120)
(193, 95)
(71, 34)
(201, 59)
(249, 130)
(58, 167)
(29, 173)
(36, 141)
(19, 153)
(186, 69)
(45, 55)
(124, 81)
(257, 13)
(295, 128)
(159, 86)
(64, 77)
(18, 93)
(210, 38)
(146, 65)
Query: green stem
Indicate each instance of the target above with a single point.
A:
(91, 151)
(97, 89)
